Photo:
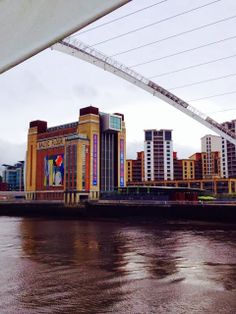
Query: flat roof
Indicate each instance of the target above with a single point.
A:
(162, 188)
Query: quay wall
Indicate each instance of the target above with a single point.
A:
(225, 212)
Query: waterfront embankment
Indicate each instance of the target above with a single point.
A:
(207, 211)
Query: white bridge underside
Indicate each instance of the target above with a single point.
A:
(30, 26)
(91, 55)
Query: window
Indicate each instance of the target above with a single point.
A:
(168, 135)
(115, 123)
(148, 135)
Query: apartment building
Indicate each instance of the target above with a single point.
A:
(158, 155)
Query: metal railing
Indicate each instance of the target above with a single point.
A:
(101, 57)
(74, 43)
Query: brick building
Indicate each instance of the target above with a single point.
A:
(77, 160)
(135, 168)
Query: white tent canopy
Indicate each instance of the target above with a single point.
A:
(29, 26)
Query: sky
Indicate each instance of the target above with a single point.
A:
(53, 86)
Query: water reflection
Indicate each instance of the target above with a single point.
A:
(74, 255)
(57, 266)
(211, 259)
(131, 252)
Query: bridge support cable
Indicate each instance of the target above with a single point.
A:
(82, 51)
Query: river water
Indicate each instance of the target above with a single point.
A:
(71, 266)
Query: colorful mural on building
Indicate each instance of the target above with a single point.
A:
(54, 170)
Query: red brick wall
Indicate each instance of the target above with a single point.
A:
(56, 133)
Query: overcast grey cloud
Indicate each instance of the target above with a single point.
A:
(53, 86)
(85, 91)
